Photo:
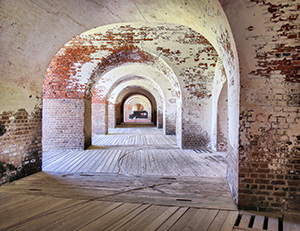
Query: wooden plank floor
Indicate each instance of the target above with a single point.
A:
(201, 192)
(56, 201)
(131, 179)
(53, 201)
(66, 214)
(137, 151)
(259, 221)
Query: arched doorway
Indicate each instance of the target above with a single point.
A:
(137, 109)
(68, 90)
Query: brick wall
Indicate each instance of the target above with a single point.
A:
(193, 136)
(185, 60)
(118, 114)
(170, 125)
(159, 119)
(189, 54)
(111, 116)
(63, 124)
(269, 112)
(87, 130)
(98, 119)
(28, 57)
(222, 119)
(20, 141)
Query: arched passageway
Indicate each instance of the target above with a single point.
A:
(137, 108)
(180, 78)
(268, 138)
(129, 89)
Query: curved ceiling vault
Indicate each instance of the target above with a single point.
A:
(88, 68)
(132, 88)
(136, 102)
(149, 32)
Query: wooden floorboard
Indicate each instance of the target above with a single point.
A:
(212, 193)
(139, 162)
(137, 151)
(100, 215)
(131, 179)
(57, 201)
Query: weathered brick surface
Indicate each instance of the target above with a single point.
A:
(98, 119)
(269, 112)
(194, 64)
(63, 124)
(87, 123)
(20, 143)
(111, 116)
(28, 47)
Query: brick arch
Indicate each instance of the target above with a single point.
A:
(140, 90)
(73, 72)
(102, 104)
(62, 94)
(141, 85)
(120, 56)
(104, 110)
(142, 103)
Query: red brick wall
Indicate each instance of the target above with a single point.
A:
(269, 51)
(63, 124)
(87, 123)
(20, 143)
(98, 119)
(194, 62)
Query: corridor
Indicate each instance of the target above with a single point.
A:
(137, 151)
(134, 178)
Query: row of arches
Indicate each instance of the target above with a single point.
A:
(176, 71)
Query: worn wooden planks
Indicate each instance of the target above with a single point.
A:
(53, 201)
(45, 201)
(177, 191)
(137, 151)
(291, 222)
(253, 220)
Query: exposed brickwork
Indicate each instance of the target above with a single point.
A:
(28, 48)
(63, 124)
(64, 73)
(98, 119)
(269, 112)
(111, 116)
(159, 118)
(87, 123)
(170, 126)
(20, 143)
(196, 137)
(222, 119)
(122, 54)
(62, 68)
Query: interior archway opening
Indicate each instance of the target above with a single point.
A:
(137, 109)
(136, 105)
(191, 81)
